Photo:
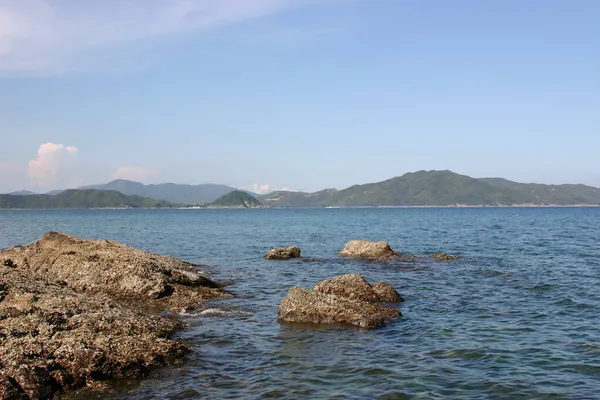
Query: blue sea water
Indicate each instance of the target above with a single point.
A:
(517, 318)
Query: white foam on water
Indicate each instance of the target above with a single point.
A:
(215, 312)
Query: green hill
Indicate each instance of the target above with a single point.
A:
(422, 188)
(438, 188)
(298, 199)
(236, 199)
(546, 194)
(75, 198)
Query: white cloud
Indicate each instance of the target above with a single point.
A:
(131, 173)
(53, 166)
(257, 188)
(50, 35)
(265, 188)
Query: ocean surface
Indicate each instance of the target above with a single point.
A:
(517, 318)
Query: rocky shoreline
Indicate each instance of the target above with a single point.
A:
(77, 313)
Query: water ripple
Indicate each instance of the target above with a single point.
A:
(516, 318)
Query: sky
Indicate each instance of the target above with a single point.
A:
(297, 94)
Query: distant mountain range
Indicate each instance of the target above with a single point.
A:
(172, 192)
(176, 193)
(438, 188)
(422, 188)
(74, 198)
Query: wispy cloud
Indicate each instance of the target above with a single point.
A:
(132, 173)
(53, 166)
(50, 35)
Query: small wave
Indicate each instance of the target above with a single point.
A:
(215, 312)
(543, 287)
(569, 302)
(465, 354)
(590, 348)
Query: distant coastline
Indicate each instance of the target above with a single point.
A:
(309, 208)
(421, 189)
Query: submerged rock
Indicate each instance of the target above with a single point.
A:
(73, 314)
(346, 299)
(368, 249)
(283, 253)
(445, 257)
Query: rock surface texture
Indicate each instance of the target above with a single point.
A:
(368, 249)
(346, 299)
(75, 313)
(349, 286)
(386, 292)
(283, 253)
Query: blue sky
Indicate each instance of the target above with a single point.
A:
(306, 95)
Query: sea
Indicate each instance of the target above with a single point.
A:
(517, 317)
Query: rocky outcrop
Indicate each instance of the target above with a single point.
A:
(115, 269)
(346, 299)
(368, 249)
(283, 253)
(386, 293)
(75, 313)
(445, 257)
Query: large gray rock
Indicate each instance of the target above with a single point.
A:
(368, 249)
(123, 272)
(75, 313)
(309, 306)
(281, 253)
(54, 339)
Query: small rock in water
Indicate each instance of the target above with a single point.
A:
(308, 306)
(283, 253)
(368, 249)
(445, 257)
